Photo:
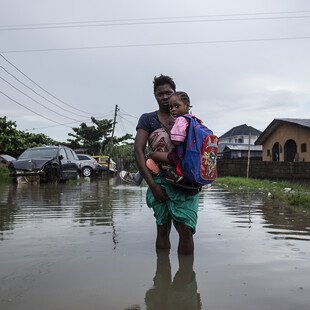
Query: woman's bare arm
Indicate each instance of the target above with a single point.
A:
(139, 147)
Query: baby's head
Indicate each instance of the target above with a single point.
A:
(179, 103)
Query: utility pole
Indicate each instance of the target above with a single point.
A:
(114, 121)
(249, 155)
(112, 136)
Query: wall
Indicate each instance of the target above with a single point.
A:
(265, 169)
(284, 133)
(232, 154)
(234, 139)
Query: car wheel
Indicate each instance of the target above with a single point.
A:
(87, 171)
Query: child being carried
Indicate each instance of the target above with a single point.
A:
(186, 133)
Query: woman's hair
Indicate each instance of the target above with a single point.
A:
(183, 96)
(162, 80)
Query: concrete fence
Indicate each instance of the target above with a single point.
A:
(265, 169)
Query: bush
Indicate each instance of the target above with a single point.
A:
(4, 174)
(289, 193)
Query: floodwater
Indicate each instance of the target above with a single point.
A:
(91, 246)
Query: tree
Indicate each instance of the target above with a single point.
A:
(11, 140)
(124, 156)
(14, 142)
(95, 138)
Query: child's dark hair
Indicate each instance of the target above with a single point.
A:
(183, 96)
(162, 80)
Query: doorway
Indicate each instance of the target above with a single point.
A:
(290, 149)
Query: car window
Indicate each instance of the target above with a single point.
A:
(103, 160)
(74, 155)
(82, 157)
(69, 154)
(39, 153)
(63, 153)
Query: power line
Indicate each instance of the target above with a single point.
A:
(39, 128)
(121, 123)
(43, 88)
(156, 44)
(52, 126)
(129, 121)
(32, 110)
(155, 20)
(128, 114)
(41, 104)
(12, 75)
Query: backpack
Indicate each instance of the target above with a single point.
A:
(198, 153)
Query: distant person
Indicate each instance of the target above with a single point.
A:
(169, 202)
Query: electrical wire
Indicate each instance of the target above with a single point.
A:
(80, 121)
(161, 22)
(156, 44)
(51, 120)
(13, 76)
(155, 20)
(41, 104)
(121, 123)
(126, 113)
(26, 76)
(52, 126)
(129, 121)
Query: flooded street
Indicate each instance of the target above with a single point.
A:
(92, 246)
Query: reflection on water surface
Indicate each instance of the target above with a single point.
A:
(91, 245)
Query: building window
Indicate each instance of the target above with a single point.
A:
(240, 140)
(268, 152)
(304, 147)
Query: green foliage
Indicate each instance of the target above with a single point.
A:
(124, 156)
(4, 174)
(286, 192)
(14, 142)
(123, 151)
(95, 138)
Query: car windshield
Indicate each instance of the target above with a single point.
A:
(39, 153)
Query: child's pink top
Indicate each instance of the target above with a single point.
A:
(178, 131)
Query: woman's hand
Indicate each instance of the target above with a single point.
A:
(159, 193)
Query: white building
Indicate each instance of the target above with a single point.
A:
(235, 142)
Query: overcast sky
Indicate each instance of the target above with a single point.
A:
(241, 62)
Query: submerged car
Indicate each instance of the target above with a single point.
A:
(46, 164)
(89, 166)
(104, 161)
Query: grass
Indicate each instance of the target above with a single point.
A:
(4, 174)
(288, 193)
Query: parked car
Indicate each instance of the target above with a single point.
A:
(45, 164)
(5, 160)
(89, 166)
(103, 161)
